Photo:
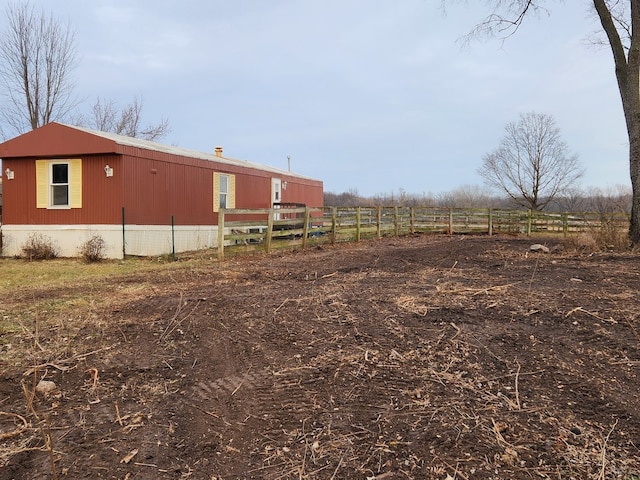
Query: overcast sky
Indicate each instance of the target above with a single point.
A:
(367, 95)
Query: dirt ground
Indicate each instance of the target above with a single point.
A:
(424, 357)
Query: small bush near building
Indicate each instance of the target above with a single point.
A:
(93, 250)
(39, 247)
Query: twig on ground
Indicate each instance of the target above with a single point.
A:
(603, 453)
(118, 417)
(241, 382)
(580, 309)
(17, 431)
(174, 323)
(501, 441)
(281, 305)
(458, 330)
(518, 406)
(64, 360)
(533, 274)
(339, 465)
(487, 349)
(211, 414)
(495, 287)
(43, 425)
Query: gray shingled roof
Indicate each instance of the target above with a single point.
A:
(185, 152)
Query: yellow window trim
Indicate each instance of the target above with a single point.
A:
(75, 183)
(43, 182)
(231, 194)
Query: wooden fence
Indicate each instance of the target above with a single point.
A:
(269, 228)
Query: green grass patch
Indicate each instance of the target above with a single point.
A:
(21, 275)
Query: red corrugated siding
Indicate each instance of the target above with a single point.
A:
(310, 194)
(101, 196)
(151, 185)
(253, 191)
(19, 197)
(157, 188)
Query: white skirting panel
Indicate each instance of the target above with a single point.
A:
(141, 240)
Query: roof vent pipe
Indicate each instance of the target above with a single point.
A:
(218, 151)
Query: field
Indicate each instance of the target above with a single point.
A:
(419, 357)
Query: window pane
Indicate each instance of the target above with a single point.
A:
(223, 200)
(60, 194)
(224, 184)
(60, 173)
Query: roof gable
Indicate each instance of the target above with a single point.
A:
(59, 140)
(56, 139)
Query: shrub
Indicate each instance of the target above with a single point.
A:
(39, 247)
(611, 237)
(605, 236)
(93, 250)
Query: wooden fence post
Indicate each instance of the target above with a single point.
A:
(396, 221)
(565, 225)
(221, 234)
(379, 221)
(412, 214)
(529, 215)
(334, 224)
(490, 222)
(450, 221)
(305, 228)
(358, 220)
(267, 240)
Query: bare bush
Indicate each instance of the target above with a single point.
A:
(39, 247)
(610, 236)
(93, 250)
(605, 236)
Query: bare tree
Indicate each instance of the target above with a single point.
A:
(350, 198)
(532, 165)
(467, 196)
(106, 116)
(620, 21)
(610, 200)
(37, 58)
(573, 199)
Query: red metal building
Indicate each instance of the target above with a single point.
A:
(71, 183)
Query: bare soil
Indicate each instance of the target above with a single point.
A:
(423, 357)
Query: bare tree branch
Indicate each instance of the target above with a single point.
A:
(106, 116)
(532, 165)
(37, 59)
(505, 20)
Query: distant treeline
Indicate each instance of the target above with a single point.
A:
(610, 200)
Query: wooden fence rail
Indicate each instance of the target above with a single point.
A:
(269, 228)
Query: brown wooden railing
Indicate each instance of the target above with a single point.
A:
(269, 228)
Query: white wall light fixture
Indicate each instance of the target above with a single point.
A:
(9, 174)
(108, 171)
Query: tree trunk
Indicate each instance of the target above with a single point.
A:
(628, 77)
(630, 93)
(634, 163)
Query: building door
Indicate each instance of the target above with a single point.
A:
(276, 195)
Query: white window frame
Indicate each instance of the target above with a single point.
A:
(52, 185)
(223, 193)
